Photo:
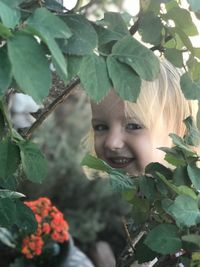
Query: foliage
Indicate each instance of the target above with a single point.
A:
(165, 205)
(102, 53)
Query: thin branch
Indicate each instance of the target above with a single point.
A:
(51, 107)
(134, 28)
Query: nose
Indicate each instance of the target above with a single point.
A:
(114, 140)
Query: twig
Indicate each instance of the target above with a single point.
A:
(51, 107)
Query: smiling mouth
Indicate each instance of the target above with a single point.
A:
(119, 162)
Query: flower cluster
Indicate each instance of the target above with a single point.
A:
(51, 226)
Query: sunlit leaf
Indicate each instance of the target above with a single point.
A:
(23, 49)
(128, 88)
(128, 50)
(94, 76)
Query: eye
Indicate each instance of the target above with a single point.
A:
(100, 127)
(133, 126)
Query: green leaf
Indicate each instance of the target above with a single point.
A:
(180, 176)
(128, 88)
(140, 210)
(25, 218)
(192, 238)
(9, 16)
(184, 210)
(184, 38)
(185, 190)
(9, 158)
(150, 28)
(7, 238)
(13, 3)
(194, 175)
(183, 20)
(143, 253)
(192, 136)
(54, 5)
(5, 70)
(4, 193)
(164, 239)
(84, 39)
(46, 23)
(7, 212)
(94, 76)
(115, 22)
(174, 156)
(128, 50)
(73, 66)
(23, 49)
(95, 163)
(154, 167)
(50, 27)
(174, 56)
(191, 89)
(4, 31)
(106, 36)
(168, 183)
(179, 142)
(33, 161)
(120, 182)
(147, 187)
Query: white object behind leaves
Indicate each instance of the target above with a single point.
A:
(20, 106)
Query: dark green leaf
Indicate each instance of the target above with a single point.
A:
(191, 89)
(192, 136)
(150, 27)
(174, 56)
(105, 35)
(115, 22)
(120, 182)
(22, 50)
(33, 161)
(94, 76)
(95, 163)
(125, 81)
(184, 210)
(9, 16)
(5, 70)
(9, 158)
(25, 218)
(174, 156)
(183, 20)
(194, 175)
(47, 24)
(143, 253)
(154, 167)
(7, 212)
(180, 176)
(73, 66)
(54, 5)
(164, 239)
(179, 142)
(84, 38)
(50, 27)
(184, 38)
(128, 50)
(192, 238)
(140, 210)
(147, 187)
(4, 31)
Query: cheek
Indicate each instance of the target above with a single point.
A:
(98, 146)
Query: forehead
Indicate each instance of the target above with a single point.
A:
(111, 105)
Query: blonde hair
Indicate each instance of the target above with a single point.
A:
(162, 100)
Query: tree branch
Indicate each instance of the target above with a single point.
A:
(51, 107)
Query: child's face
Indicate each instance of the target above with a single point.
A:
(123, 142)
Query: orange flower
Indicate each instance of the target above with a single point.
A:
(51, 225)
